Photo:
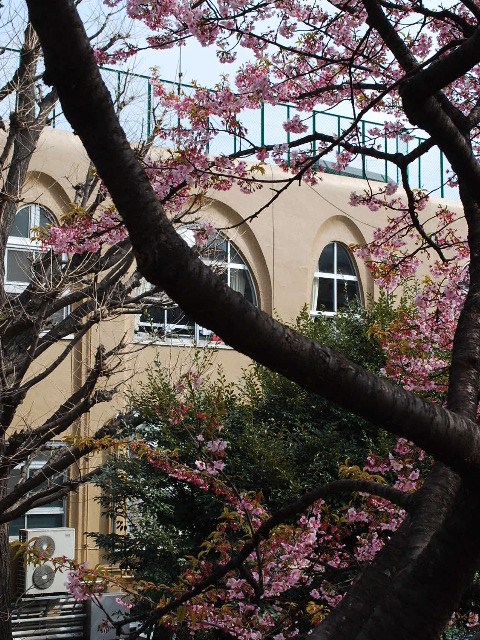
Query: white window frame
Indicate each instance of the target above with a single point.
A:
(335, 277)
(197, 335)
(44, 510)
(26, 245)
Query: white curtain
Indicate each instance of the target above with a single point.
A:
(238, 280)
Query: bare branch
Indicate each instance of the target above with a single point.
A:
(412, 210)
(47, 496)
(57, 465)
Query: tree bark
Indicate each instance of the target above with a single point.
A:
(422, 599)
(5, 575)
(26, 131)
(430, 507)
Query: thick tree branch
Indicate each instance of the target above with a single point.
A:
(447, 69)
(377, 20)
(59, 463)
(22, 391)
(472, 7)
(412, 210)
(421, 587)
(22, 444)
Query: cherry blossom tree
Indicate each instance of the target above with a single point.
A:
(417, 64)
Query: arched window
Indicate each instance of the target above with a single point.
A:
(335, 283)
(21, 247)
(169, 323)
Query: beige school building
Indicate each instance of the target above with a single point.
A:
(295, 253)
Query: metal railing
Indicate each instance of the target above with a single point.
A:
(134, 92)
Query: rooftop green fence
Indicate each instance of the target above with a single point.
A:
(134, 93)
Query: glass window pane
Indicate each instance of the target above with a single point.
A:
(344, 262)
(15, 525)
(56, 480)
(228, 264)
(238, 280)
(235, 257)
(44, 218)
(44, 520)
(249, 291)
(40, 516)
(216, 249)
(204, 335)
(175, 315)
(18, 266)
(21, 225)
(325, 263)
(325, 294)
(184, 330)
(347, 291)
(59, 315)
(178, 325)
(39, 460)
(153, 316)
(13, 478)
(187, 234)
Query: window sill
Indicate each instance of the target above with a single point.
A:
(70, 336)
(323, 314)
(178, 342)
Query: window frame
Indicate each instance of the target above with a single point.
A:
(44, 510)
(32, 247)
(24, 244)
(198, 336)
(336, 278)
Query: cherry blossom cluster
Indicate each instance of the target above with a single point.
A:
(204, 232)
(288, 559)
(419, 340)
(314, 553)
(306, 554)
(282, 38)
(76, 583)
(83, 233)
(285, 37)
(393, 130)
(202, 476)
(432, 271)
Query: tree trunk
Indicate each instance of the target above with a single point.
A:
(5, 577)
(432, 505)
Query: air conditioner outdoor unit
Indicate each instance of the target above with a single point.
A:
(41, 579)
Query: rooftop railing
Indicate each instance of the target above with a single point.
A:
(134, 92)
